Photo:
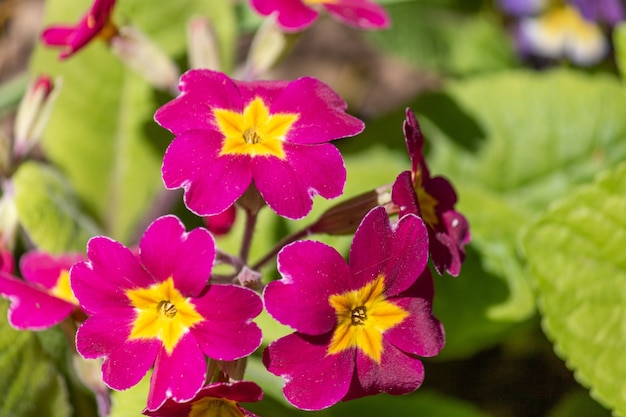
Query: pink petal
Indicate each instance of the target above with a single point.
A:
(57, 35)
(321, 116)
(178, 376)
(314, 380)
(321, 165)
(167, 251)
(228, 332)
(362, 14)
(396, 374)
(32, 308)
(202, 91)
(211, 183)
(403, 194)
(293, 15)
(420, 333)
(311, 272)
(125, 362)
(44, 269)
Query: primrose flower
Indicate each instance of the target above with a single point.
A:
(433, 199)
(95, 23)
(215, 400)
(359, 327)
(44, 297)
(230, 134)
(157, 308)
(296, 15)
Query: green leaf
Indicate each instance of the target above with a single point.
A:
(619, 40)
(11, 93)
(509, 145)
(101, 132)
(578, 403)
(131, 402)
(578, 263)
(48, 210)
(30, 384)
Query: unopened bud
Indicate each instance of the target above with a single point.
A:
(267, 46)
(249, 278)
(203, 47)
(9, 219)
(220, 224)
(90, 374)
(345, 217)
(144, 57)
(33, 113)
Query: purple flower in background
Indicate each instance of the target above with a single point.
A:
(296, 15)
(522, 7)
(215, 400)
(156, 308)
(433, 199)
(44, 297)
(95, 23)
(359, 327)
(602, 11)
(230, 134)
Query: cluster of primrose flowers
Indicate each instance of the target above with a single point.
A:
(360, 327)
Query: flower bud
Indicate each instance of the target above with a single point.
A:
(203, 47)
(9, 219)
(33, 113)
(267, 46)
(143, 56)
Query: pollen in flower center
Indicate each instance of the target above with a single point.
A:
(363, 315)
(254, 132)
(359, 315)
(162, 313)
(215, 407)
(251, 136)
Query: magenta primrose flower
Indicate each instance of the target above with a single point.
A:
(44, 297)
(433, 199)
(157, 308)
(95, 23)
(296, 15)
(215, 400)
(273, 133)
(359, 327)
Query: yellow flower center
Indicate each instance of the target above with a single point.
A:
(426, 201)
(62, 288)
(254, 132)
(215, 407)
(363, 316)
(162, 313)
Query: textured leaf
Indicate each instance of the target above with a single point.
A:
(48, 210)
(30, 384)
(512, 143)
(101, 132)
(577, 259)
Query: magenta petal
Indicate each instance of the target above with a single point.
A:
(284, 298)
(282, 188)
(267, 90)
(409, 252)
(202, 90)
(397, 373)
(189, 257)
(321, 117)
(228, 332)
(32, 308)
(45, 269)
(112, 268)
(371, 246)
(403, 194)
(178, 376)
(420, 333)
(293, 15)
(211, 183)
(57, 35)
(314, 380)
(125, 362)
(321, 165)
(362, 14)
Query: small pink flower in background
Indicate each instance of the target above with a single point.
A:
(220, 224)
(273, 133)
(158, 309)
(296, 15)
(95, 23)
(433, 199)
(217, 400)
(44, 297)
(359, 327)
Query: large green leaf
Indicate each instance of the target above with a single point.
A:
(101, 132)
(577, 259)
(511, 143)
(29, 382)
(48, 210)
